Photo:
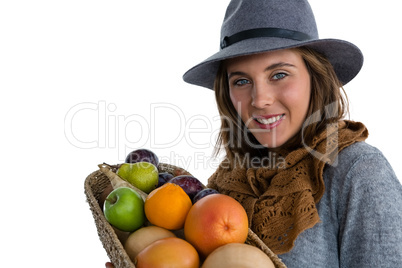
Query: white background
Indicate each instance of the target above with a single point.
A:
(84, 82)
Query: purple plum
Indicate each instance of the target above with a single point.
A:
(142, 155)
(204, 193)
(164, 177)
(189, 184)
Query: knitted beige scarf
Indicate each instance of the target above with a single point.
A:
(280, 199)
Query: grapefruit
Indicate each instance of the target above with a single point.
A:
(215, 220)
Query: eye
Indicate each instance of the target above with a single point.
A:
(241, 82)
(279, 76)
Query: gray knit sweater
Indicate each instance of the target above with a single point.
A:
(361, 215)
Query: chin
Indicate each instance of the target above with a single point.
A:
(271, 145)
(270, 142)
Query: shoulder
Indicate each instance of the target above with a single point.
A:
(360, 161)
(363, 179)
(356, 151)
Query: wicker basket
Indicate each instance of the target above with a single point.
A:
(96, 182)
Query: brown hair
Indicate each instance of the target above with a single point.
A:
(328, 104)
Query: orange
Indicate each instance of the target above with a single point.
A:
(168, 252)
(215, 220)
(167, 206)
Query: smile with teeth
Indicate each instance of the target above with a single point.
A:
(271, 120)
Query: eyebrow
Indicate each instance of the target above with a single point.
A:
(278, 65)
(270, 67)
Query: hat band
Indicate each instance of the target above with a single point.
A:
(264, 32)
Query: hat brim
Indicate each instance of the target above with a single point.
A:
(345, 57)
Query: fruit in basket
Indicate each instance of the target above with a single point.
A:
(167, 206)
(190, 184)
(143, 237)
(168, 252)
(204, 193)
(142, 155)
(124, 209)
(236, 255)
(142, 175)
(164, 177)
(215, 220)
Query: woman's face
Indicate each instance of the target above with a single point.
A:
(271, 93)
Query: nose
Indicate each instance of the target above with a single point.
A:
(262, 95)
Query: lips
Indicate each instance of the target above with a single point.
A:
(270, 121)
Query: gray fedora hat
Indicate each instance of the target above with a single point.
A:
(254, 26)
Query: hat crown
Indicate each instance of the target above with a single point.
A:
(294, 15)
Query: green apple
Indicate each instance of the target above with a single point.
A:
(124, 209)
(142, 175)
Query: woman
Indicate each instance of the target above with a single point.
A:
(314, 191)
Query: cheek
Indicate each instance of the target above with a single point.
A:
(239, 101)
(233, 98)
(305, 96)
(297, 100)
